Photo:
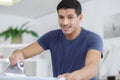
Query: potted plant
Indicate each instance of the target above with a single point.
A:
(16, 33)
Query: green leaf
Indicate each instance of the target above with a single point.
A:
(34, 33)
(23, 25)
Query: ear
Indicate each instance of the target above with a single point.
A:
(80, 17)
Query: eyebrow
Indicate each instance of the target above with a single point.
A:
(68, 15)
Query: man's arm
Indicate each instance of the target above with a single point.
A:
(32, 50)
(26, 52)
(90, 69)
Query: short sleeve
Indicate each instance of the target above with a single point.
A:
(94, 41)
(44, 40)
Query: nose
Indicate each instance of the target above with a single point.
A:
(65, 21)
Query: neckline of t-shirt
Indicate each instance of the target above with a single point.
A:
(79, 36)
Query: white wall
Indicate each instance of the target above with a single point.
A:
(7, 20)
(94, 12)
(46, 23)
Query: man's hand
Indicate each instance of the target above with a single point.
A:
(17, 55)
(71, 76)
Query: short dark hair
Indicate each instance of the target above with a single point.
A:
(74, 4)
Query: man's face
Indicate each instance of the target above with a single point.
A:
(68, 20)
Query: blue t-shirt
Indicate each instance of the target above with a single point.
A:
(69, 55)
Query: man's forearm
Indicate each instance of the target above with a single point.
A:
(87, 72)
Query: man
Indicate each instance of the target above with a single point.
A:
(75, 51)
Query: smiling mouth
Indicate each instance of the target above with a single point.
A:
(66, 28)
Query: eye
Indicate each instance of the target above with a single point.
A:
(61, 17)
(70, 17)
